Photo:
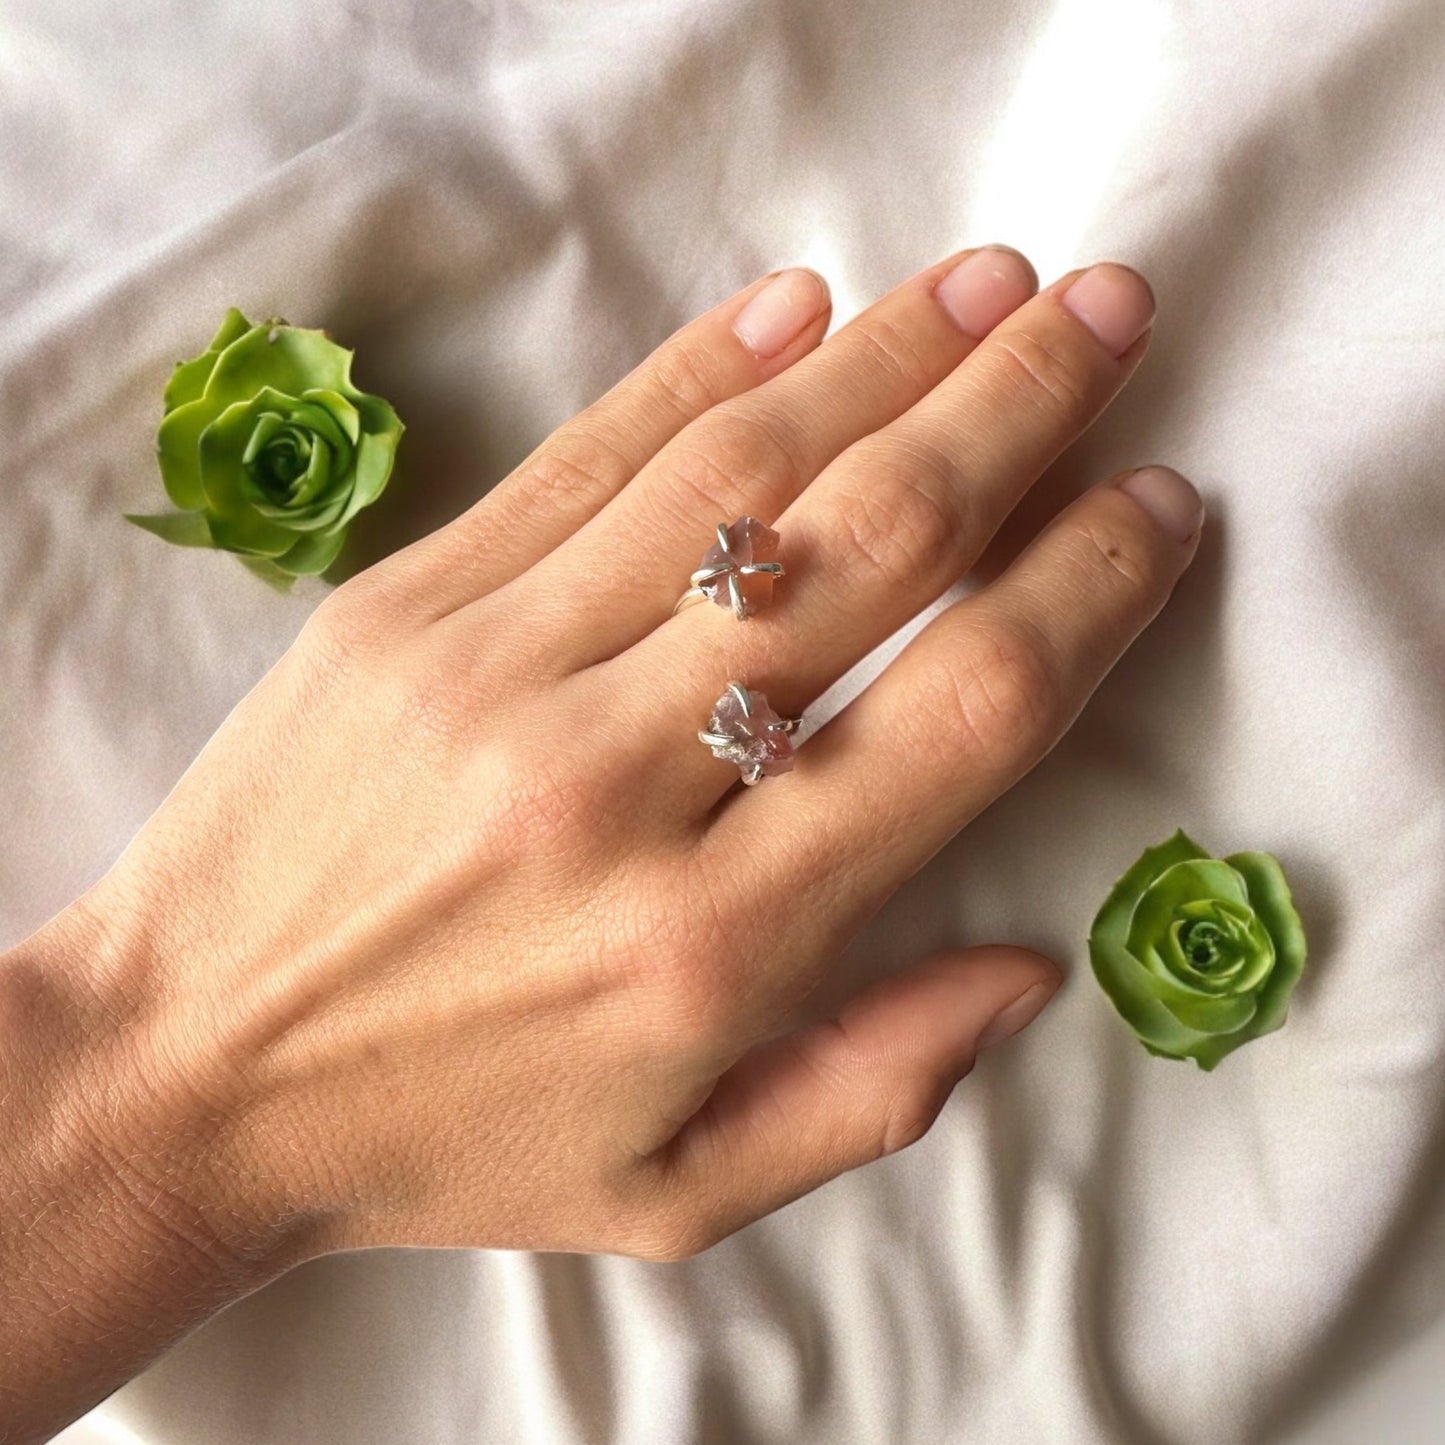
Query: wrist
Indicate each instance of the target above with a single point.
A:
(131, 1214)
(136, 1084)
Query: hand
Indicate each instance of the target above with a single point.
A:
(455, 934)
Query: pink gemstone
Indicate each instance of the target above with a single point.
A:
(755, 736)
(749, 541)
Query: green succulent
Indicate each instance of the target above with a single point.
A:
(269, 450)
(1199, 954)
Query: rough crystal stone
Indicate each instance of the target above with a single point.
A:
(753, 740)
(749, 540)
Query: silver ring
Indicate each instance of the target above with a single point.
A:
(745, 731)
(737, 571)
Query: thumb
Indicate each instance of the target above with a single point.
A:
(844, 1092)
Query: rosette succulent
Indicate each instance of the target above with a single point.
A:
(269, 450)
(1199, 954)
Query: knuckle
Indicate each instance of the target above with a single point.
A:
(699, 482)
(889, 348)
(342, 634)
(910, 1112)
(1111, 554)
(911, 526)
(576, 466)
(735, 457)
(1004, 691)
(1041, 373)
(909, 1101)
(685, 378)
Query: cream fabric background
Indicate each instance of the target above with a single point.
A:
(503, 206)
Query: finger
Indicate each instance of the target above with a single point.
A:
(900, 516)
(842, 1093)
(979, 696)
(903, 515)
(739, 344)
(757, 453)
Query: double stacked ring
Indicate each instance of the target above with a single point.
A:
(738, 571)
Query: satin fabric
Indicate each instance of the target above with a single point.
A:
(502, 206)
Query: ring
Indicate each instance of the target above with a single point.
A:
(738, 570)
(744, 730)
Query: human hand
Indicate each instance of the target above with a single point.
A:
(455, 935)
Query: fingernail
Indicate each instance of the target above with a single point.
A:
(1017, 1016)
(1170, 500)
(1114, 302)
(781, 310)
(984, 288)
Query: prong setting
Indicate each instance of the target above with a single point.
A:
(738, 571)
(745, 730)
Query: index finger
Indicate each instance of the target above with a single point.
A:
(739, 344)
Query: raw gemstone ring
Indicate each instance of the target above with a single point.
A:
(738, 570)
(745, 731)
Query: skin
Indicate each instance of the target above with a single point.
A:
(454, 935)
